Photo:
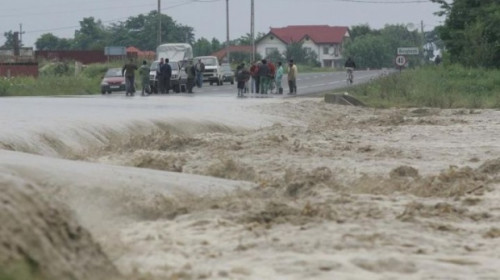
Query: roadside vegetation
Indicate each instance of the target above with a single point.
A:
(469, 75)
(452, 86)
(58, 79)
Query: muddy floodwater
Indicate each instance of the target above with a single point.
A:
(221, 188)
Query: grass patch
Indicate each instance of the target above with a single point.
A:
(442, 87)
(58, 78)
(49, 85)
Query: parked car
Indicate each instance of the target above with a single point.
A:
(178, 80)
(113, 81)
(212, 73)
(227, 73)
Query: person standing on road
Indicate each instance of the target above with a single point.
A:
(191, 74)
(144, 73)
(165, 75)
(128, 71)
(292, 77)
(199, 69)
(158, 75)
(279, 78)
(242, 76)
(254, 84)
(272, 75)
(264, 77)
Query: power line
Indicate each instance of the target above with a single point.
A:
(103, 21)
(71, 11)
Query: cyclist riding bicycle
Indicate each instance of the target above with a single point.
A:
(349, 66)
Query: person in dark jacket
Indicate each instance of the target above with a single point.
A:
(128, 71)
(165, 75)
(242, 76)
(349, 66)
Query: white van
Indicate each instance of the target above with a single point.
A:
(213, 71)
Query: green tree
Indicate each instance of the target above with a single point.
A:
(296, 52)
(246, 40)
(369, 51)
(360, 30)
(202, 47)
(91, 35)
(470, 33)
(9, 40)
(377, 48)
(216, 45)
(275, 56)
(47, 41)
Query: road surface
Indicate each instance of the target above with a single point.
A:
(307, 83)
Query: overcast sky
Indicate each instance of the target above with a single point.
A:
(208, 17)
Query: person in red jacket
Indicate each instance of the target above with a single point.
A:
(254, 82)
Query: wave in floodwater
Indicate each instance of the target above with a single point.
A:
(83, 142)
(269, 176)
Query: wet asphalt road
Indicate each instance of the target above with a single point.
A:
(307, 83)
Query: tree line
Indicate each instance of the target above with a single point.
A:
(469, 36)
(139, 31)
(471, 32)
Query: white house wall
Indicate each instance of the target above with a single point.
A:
(333, 57)
(270, 42)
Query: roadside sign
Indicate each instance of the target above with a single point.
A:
(400, 60)
(408, 51)
(115, 50)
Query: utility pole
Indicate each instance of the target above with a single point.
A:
(228, 55)
(158, 35)
(422, 30)
(424, 43)
(252, 29)
(21, 32)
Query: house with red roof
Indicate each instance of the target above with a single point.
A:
(327, 41)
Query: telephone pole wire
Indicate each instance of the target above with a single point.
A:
(228, 56)
(158, 35)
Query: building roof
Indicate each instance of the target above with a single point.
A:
(220, 54)
(320, 34)
(139, 53)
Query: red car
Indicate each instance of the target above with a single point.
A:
(113, 81)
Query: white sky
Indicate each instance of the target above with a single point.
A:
(208, 17)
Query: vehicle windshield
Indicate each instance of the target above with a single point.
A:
(209, 61)
(226, 68)
(113, 72)
(173, 65)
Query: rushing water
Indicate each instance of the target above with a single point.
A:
(200, 188)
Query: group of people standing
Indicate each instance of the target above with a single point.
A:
(194, 74)
(265, 77)
(163, 75)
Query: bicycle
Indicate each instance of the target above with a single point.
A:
(350, 75)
